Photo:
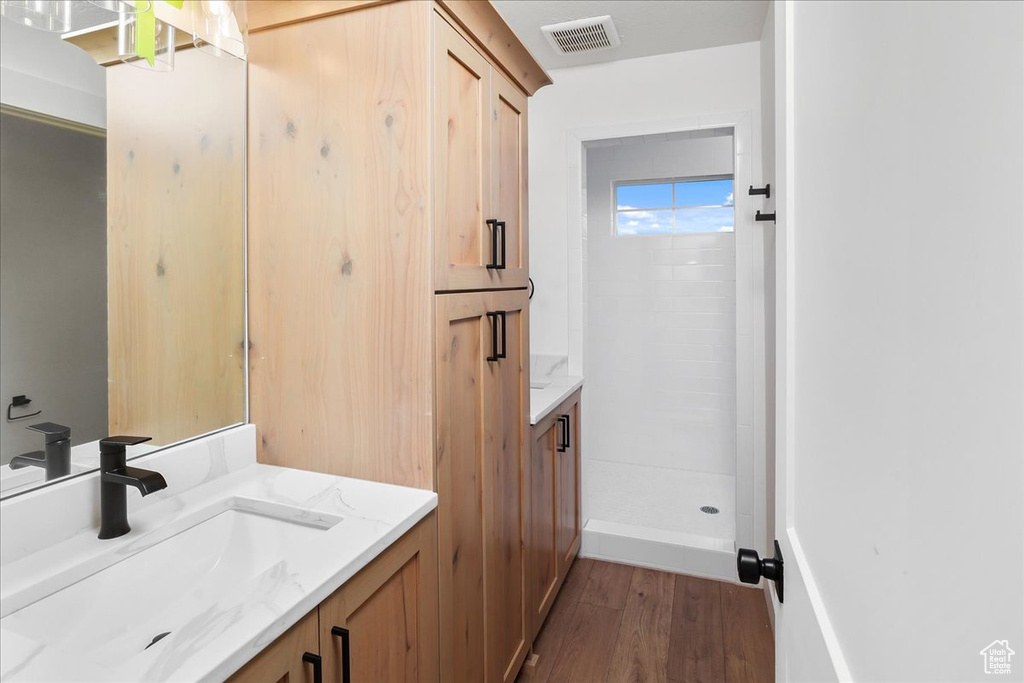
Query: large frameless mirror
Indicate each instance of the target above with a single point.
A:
(121, 243)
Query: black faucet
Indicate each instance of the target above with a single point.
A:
(115, 476)
(56, 459)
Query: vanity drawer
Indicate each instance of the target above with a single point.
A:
(289, 658)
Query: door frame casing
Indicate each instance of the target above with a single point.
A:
(750, 333)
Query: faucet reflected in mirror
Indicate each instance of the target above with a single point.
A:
(56, 456)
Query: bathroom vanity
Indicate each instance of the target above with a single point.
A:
(234, 567)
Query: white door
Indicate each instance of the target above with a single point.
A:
(900, 472)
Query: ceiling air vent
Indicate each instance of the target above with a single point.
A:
(582, 35)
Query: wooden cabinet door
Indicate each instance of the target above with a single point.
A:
(505, 492)
(509, 154)
(481, 414)
(462, 162)
(386, 616)
(568, 482)
(464, 434)
(543, 524)
(281, 661)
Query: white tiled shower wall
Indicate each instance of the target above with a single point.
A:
(661, 319)
(661, 371)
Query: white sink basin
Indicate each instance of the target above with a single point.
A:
(167, 586)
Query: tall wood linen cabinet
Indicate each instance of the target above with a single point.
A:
(388, 263)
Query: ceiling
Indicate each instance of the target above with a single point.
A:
(646, 27)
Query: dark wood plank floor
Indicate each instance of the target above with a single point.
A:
(616, 623)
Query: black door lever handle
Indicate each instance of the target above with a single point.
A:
(751, 568)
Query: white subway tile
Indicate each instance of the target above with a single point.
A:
(694, 257)
(723, 273)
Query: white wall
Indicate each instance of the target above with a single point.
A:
(673, 86)
(904, 299)
(40, 72)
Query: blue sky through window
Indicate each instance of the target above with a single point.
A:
(704, 193)
(665, 208)
(657, 196)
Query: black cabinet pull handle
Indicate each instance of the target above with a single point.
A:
(504, 337)
(493, 223)
(498, 350)
(503, 246)
(497, 251)
(492, 317)
(560, 444)
(318, 666)
(346, 662)
(568, 431)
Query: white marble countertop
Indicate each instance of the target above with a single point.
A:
(211, 635)
(556, 389)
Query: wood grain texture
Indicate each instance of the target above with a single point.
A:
(543, 524)
(608, 585)
(548, 642)
(480, 168)
(747, 634)
(341, 323)
(464, 378)
(265, 14)
(481, 425)
(481, 21)
(696, 653)
(462, 162)
(390, 609)
(282, 659)
(505, 483)
(672, 628)
(509, 178)
(175, 288)
(641, 651)
(588, 645)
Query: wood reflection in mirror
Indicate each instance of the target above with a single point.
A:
(175, 235)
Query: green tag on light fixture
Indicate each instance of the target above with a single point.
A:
(145, 31)
(145, 35)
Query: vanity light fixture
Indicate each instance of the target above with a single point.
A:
(128, 38)
(45, 15)
(220, 27)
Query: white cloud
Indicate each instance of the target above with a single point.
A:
(711, 220)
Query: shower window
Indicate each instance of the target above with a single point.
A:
(674, 206)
